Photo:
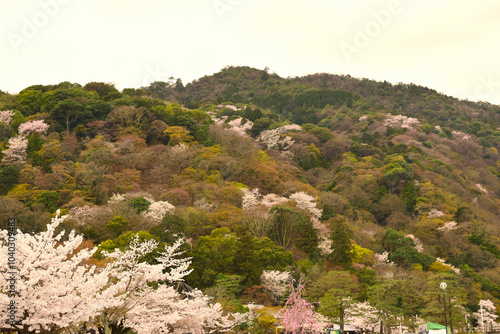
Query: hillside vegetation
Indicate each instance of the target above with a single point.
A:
(386, 187)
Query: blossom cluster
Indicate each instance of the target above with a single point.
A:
(276, 282)
(16, 153)
(363, 118)
(487, 313)
(461, 135)
(6, 116)
(400, 121)
(59, 290)
(252, 199)
(448, 226)
(29, 127)
(456, 270)
(239, 127)
(481, 188)
(80, 213)
(278, 138)
(156, 210)
(237, 124)
(435, 213)
(418, 244)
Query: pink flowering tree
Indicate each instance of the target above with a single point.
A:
(29, 127)
(6, 116)
(299, 315)
(16, 153)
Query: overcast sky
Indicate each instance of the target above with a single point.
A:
(452, 46)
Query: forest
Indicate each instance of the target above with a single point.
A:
(249, 203)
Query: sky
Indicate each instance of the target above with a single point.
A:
(452, 46)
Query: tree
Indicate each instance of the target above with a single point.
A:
(58, 289)
(385, 297)
(52, 274)
(9, 176)
(335, 291)
(343, 252)
(178, 135)
(29, 127)
(6, 116)
(285, 221)
(487, 313)
(276, 282)
(68, 112)
(455, 296)
(16, 153)
(50, 199)
(299, 315)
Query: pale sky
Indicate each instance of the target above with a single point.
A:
(452, 46)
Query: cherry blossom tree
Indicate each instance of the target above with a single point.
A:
(364, 316)
(6, 116)
(16, 153)
(29, 127)
(58, 290)
(299, 315)
(401, 121)
(54, 286)
(158, 210)
(276, 138)
(486, 314)
(276, 282)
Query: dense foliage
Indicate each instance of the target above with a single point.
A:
(387, 189)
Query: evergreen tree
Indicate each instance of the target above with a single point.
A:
(341, 244)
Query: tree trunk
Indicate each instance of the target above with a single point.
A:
(107, 330)
(341, 320)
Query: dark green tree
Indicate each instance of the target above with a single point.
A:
(342, 253)
(50, 199)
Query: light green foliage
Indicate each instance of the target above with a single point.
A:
(117, 225)
(335, 292)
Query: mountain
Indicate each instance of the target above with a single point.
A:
(313, 174)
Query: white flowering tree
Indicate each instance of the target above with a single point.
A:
(276, 282)
(16, 153)
(59, 290)
(54, 286)
(158, 210)
(277, 138)
(487, 313)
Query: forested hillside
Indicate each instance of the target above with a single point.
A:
(372, 192)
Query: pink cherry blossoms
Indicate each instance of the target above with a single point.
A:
(400, 121)
(29, 127)
(6, 116)
(16, 153)
(299, 315)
